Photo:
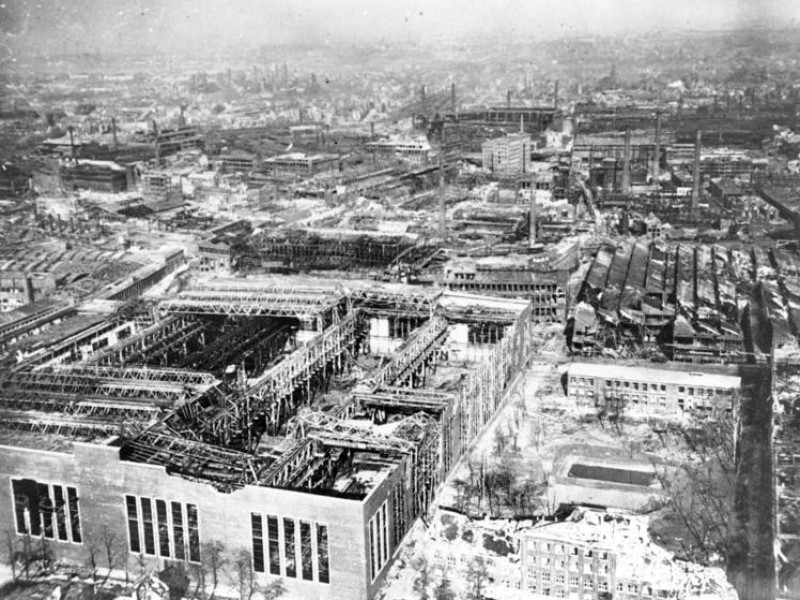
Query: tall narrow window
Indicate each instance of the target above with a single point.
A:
(45, 509)
(163, 528)
(133, 524)
(49, 511)
(289, 547)
(385, 533)
(372, 561)
(305, 551)
(179, 539)
(147, 522)
(322, 554)
(194, 533)
(61, 512)
(21, 508)
(74, 514)
(378, 544)
(256, 524)
(274, 545)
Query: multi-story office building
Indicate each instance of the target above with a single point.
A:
(598, 554)
(654, 392)
(298, 164)
(508, 156)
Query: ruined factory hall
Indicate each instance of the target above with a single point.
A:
(312, 419)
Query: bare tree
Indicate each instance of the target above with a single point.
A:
(26, 555)
(242, 574)
(701, 492)
(500, 440)
(142, 574)
(94, 549)
(200, 581)
(213, 563)
(113, 550)
(422, 582)
(11, 553)
(444, 590)
(477, 576)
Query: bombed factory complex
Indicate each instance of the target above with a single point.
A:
(403, 320)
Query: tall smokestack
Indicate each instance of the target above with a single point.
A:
(114, 130)
(453, 98)
(657, 159)
(696, 172)
(555, 96)
(532, 220)
(626, 164)
(155, 140)
(29, 291)
(72, 144)
(508, 99)
(442, 207)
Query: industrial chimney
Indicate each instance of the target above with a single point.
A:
(72, 144)
(626, 164)
(657, 158)
(442, 205)
(114, 130)
(696, 172)
(155, 140)
(453, 98)
(532, 221)
(508, 99)
(555, 96)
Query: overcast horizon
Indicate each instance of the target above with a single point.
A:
(153, 26)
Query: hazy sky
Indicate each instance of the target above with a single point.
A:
(126, 25)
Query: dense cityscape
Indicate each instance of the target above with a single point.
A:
(401, 317)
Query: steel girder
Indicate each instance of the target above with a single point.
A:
(253, 303)
(417, 349)
(284, 378)
(165, 374)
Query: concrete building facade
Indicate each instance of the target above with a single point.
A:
(653, 392)
(508, 156)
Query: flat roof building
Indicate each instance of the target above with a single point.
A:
(298, 164)
(652, 392)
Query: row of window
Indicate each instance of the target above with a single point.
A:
(560, 566)
(707, 392)
(543, 546)
(378, 542)
(543, 585)
(637, 399)
(636, 385)
(293, 548)
(160, 528)
(169, 529)
(46, 510)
